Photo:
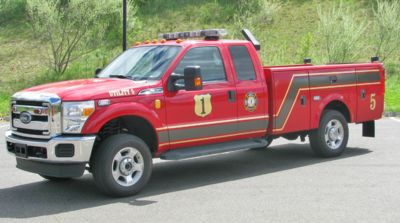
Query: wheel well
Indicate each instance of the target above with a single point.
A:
(340, 107)
(133, 125)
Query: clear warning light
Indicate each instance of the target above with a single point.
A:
(210, 34)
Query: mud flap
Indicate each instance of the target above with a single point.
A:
(368, 129)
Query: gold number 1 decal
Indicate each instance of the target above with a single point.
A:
(372, 103)
(202, 105)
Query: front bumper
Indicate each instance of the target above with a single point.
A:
(53, 157)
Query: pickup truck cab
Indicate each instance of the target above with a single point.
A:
(175, 99)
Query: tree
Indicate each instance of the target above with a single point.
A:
(387, 28)
(72, 28)
(340, 33)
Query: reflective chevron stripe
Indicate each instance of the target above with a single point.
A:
(319, 81)
(193, 132)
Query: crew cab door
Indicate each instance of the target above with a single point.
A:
(203, 116)
(251, 92)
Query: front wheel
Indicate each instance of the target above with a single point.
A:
(122, 165)
(330, 139)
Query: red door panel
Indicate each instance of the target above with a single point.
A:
(370, 94)
(292, 101)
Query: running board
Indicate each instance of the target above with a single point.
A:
(197, 151)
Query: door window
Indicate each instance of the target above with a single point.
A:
(210, 62)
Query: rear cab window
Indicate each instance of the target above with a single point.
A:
(242, 62)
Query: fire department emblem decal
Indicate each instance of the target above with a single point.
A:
(250, 101)
(202, 105)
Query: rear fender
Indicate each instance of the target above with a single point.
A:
(316, 117)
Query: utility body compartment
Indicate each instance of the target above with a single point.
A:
(299, 94)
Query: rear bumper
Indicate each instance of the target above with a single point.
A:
(61, 156)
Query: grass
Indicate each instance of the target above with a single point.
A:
(392, 94)
(286, 40)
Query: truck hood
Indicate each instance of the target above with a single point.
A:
(92, 89)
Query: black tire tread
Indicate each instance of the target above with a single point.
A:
(316, 136)
(106, 151)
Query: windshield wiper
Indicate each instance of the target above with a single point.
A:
(119, 76)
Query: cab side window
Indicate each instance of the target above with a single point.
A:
(210, 62)
(243, 64)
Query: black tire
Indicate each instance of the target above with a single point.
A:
(105, 164)
(330, 139)
(55, 178)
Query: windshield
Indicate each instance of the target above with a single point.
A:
(141, 63)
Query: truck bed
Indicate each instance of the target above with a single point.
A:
(301, 92)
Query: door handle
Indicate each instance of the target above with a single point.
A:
(231, 96)
(363, 94)
(303, 100)
(333, 79)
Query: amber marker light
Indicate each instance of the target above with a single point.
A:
(154, 41)
(163, 41)
(136, 44)
(179, 41)
(146, 41)
(87, 111)
(197, 82)
(157, 104)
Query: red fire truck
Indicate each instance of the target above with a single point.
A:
(177, 98)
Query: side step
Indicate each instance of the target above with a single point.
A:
(197, 151)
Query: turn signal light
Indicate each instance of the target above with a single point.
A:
(87, 112)
(197, 82)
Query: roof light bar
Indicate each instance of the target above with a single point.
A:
(212, 34)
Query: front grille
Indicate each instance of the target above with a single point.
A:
(34, 117)
(36, 114)
(38, 124)
(29, 103)
(31, 131)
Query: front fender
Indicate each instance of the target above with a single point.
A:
(102, 115)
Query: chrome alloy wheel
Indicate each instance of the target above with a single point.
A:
(334, 134)
(127, 166)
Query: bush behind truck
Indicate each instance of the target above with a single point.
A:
(176, 98)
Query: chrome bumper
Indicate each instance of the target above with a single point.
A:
(83, 146)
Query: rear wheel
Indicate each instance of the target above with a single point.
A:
(330, 139)
(122, 165)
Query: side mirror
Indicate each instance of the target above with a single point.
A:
(96, 72)
(192, 79)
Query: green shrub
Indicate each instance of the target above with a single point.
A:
(72, 28)
(340, 33)
(11, 10)
(387, 28)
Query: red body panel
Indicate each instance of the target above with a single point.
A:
(288, 99)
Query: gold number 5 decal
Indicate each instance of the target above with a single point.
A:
(372, 103)
(202, 105)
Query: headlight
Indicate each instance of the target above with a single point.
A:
(75, 115)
